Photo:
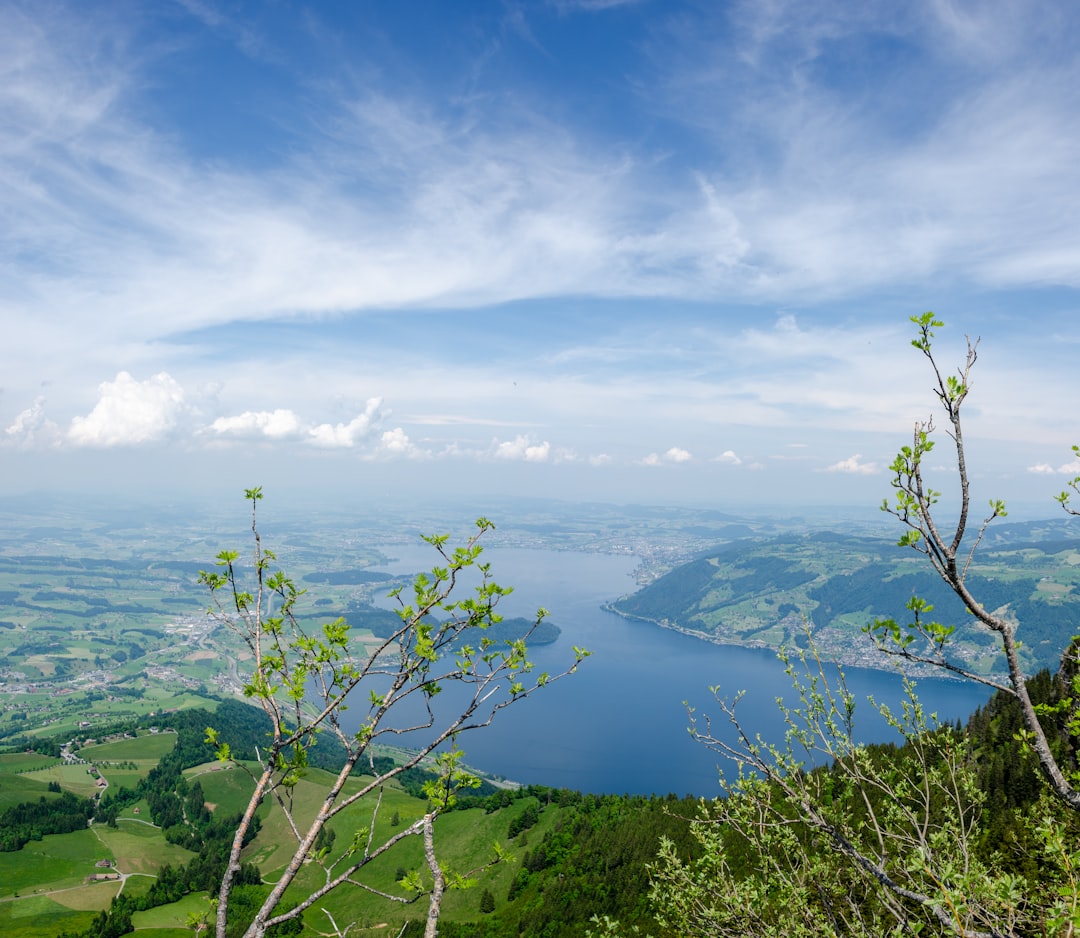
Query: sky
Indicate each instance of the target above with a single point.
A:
(614, 250)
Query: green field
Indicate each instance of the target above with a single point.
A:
(15, 789)
(124, 762)
(72, 777)
(167, 921)
(44, 887)
(59, 861)
(467, 838)
(45, 917)
(50, 876)
(145, 746)
(227, 788)
(138, 847)
(13, 762)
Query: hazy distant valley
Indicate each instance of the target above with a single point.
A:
(101, 615)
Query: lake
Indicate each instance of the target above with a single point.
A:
(619, 724)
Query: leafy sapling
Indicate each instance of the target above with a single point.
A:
(304, 680)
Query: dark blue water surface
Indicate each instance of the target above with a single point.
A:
(619, 724)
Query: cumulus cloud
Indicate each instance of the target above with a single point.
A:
(32, 426)
(523, 448)
(130, 412)
(1069, 468)
(351, 433)
(674, 455)
(274, 424)
(396, 442)
(728, 456)
(285, 424)
(600, 459)
(852, 466)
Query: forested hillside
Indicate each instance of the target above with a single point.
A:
(760, 592)
(570, 856)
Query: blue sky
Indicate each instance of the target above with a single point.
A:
(623, 250)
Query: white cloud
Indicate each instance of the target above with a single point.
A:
(427, 214)
(274, 424)
(538, 453)
(852, 465)
(590, 6)
(673, 455)
(1069, 468)
(32, 426)
(285, 424)
(130, 411)
(130, 232)
(348, 434)
(396, 442)
(523, 448)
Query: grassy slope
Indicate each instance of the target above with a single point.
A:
(146, 749)
(43, 917)
(58, 861)
(465, 836)
(465, 840)
(43, 887)
(17, 789)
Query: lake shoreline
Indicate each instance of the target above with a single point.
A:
(889, 665)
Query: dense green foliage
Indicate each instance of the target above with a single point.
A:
(178, 807)
(778, 857)
(592, 860)
(33, 820)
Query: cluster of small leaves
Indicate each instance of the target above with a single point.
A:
(873, 841)
(902, 639)
(1074, 484)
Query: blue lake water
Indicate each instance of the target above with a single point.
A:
(619, 724)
